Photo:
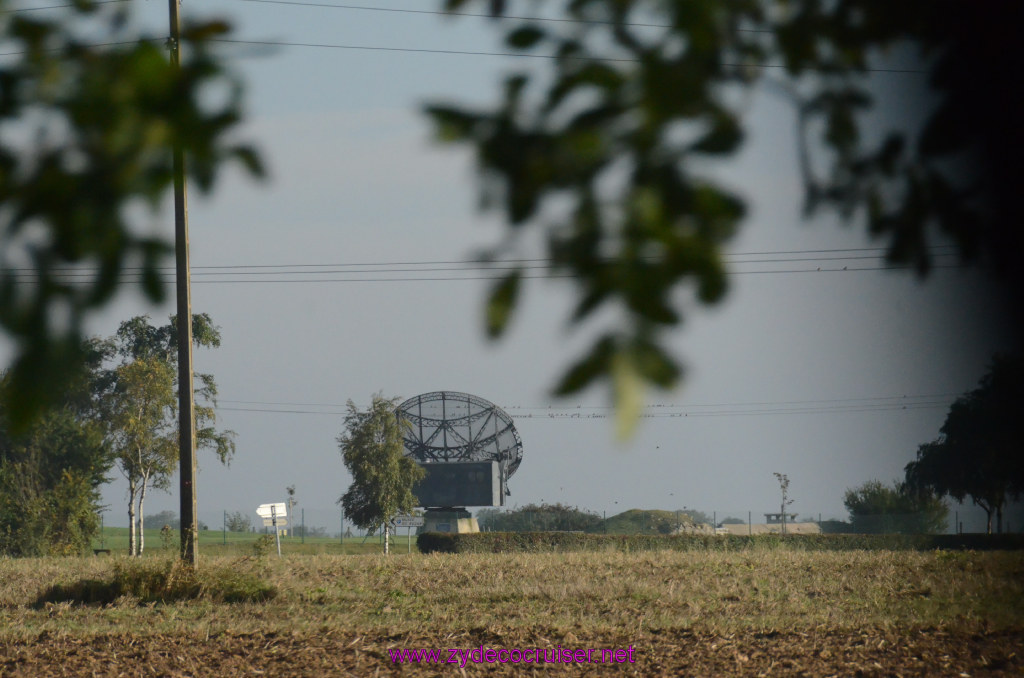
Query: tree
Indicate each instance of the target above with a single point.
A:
(539, 518)
(876, 508)
(50, 474)
(382, 476)
(977, 454)
(784, 487)
(143, 435)
(139, 338)
(159, 520)
(610, 145)
(141, 408)
(49, 486)
(89, 111)
(309, 531)
(292, 501)
(238, 522)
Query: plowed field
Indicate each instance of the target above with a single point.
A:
(863, 653)
(771, 613)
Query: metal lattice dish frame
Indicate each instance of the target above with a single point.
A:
(450, 426)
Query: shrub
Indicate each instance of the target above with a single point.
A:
(162, 581)
(263, 545)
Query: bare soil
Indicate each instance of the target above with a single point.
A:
(871, 652)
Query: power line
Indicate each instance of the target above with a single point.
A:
(96, 44)
(901, 399)
(553, 276)
(377, 48)
(451, 52)
(326, 269)
(673, 411)
(522, 55)
(37, 9)
(500, 264)
(873, 399)
(597, 22)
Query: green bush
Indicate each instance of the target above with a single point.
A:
(533, 542)
(162, 581)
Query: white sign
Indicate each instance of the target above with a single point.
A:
(276, 516)
(408, 521)
(269, 522)
(268, 510)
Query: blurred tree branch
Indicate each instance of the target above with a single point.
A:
(87, 128)
(638, 96)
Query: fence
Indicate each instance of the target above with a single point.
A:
(561, 518)
(318, 530)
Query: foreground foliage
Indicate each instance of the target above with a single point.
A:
(90, 110)
(609, 146)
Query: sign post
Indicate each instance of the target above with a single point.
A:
(408, 522)
(275, 515)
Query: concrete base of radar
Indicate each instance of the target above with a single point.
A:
(456, 521)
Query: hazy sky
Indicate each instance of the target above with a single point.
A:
(833, 378)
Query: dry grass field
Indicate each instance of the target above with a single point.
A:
(757, 612)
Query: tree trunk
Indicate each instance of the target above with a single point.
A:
(999, 519)
(132, 491)
(142, 522)
(387, 534)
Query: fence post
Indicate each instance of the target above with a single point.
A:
(750, 525)
(302, 537)
(224, 527)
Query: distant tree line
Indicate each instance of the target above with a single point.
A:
(562, 518)
(539, 518)
(877, 508)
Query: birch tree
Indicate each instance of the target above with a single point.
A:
(382, 477)
(142, 410)
(143, 435)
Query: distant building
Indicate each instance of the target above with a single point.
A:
(776, 518)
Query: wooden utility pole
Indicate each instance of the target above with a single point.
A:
(186, 417)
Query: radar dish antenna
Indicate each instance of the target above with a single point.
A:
(449, 426)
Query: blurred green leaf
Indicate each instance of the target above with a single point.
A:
(725, 136)
(595, 364)
(628, 387)
(502, 302)
(525, 37)
(451, 124)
